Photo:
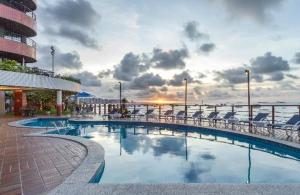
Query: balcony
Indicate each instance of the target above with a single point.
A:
(20, 21)
(31, 4)
(17, 49)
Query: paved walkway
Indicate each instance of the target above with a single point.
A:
(33, 165)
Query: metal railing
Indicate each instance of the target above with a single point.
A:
(18, 38)
(277, 114)
(19, 6)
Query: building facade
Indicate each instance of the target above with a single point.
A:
(17, 27)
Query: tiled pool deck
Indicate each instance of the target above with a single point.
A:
(33, 165)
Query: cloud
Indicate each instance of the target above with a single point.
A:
(191, 31)
(207, 48)
(199, 90)
(76, 12)
(145, 81)
(296, 59)
(232, 76)
(88, 79)
(178, 79)
(269, 64)
(105, 73)
(68, 60)
(258, 10)
(292, 76)
(172, 59)
(76, 35)
(219, 94)
(276, 76)
(72, 19)
(164, 89)
(131, 66)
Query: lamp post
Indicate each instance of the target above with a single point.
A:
(185, 100)
(120, 97)
(52, 54)
(247, 72)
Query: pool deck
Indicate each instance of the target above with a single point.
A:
(34, 165)
(78, 181)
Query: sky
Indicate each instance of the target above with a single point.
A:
(152, 46)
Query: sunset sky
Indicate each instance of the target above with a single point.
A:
(151, 46)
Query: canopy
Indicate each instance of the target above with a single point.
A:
(84, 95)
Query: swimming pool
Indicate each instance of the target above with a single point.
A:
(160, 153)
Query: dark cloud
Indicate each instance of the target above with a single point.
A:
(164, 89)
(74, 34)
(232, 76)
(276, 76)
(131, 66)
(297, 58)
(269, 64)
(68, 60)
(178, 79)
(172, 59)
(191, 31)
(292, 76)
(75, 12)
(258, 10)
(145, 81)
(105, 73)
(218, 94)
(87, 79)
(266, 65)
(207, 48)
(72, 19)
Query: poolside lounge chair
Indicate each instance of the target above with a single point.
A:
(291, 126)
(180, 115)
(149, 114)
(167, 115)
(135, 113)
(228, 119)
(211, 118)
(260, 120)
(113, 114)
(197, 115)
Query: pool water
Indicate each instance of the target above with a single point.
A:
(141, 153)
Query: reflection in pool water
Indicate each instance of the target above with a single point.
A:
(151, 154)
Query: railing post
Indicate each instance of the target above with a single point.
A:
(273, 116)
(215, 121)
(232, 110)
(147, 108)
(200, 109)
(99, 109)
(186, 114)
(172, 112)
(250, 118)
(159, 112)
(104, 108)
(134, 110)
(95, 108)
(299, 109)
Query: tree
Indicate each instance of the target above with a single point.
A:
(10, 65)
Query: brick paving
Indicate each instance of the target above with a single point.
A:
(34, 165)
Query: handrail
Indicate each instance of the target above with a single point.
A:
(18, 38)
(19, 7)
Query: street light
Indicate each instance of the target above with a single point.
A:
(120, 97)
(247, 72)
(52, 54)
(185, 99)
